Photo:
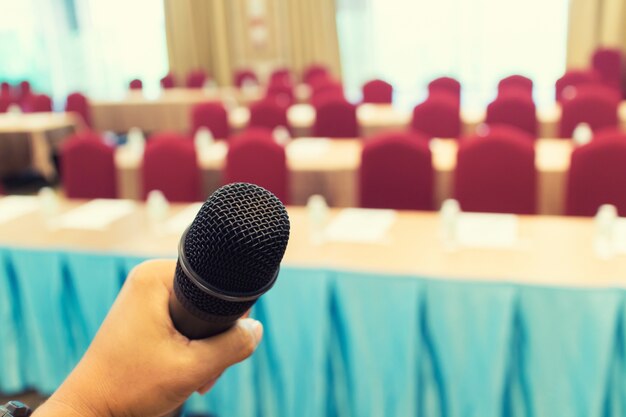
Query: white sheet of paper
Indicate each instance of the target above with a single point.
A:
(360, 226)
(96, 215)
(14, 206)
(486, 230)
(178, 223)
(308, 148)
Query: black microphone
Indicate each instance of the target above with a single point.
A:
(228, 257)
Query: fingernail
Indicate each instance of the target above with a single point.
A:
(254, 327)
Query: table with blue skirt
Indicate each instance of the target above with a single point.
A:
(339, 342)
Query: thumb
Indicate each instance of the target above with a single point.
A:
(215, 354)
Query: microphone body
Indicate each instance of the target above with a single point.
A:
(228, 257)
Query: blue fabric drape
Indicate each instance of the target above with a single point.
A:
(341, 343)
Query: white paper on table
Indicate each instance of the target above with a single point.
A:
(486, 230)
(308, 148)
(14, 206)
(620, 235)
(178, 223)
(96, 215)
(360, 226)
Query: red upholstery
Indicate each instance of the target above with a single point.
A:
(196, 79)
(88, 167)
(396, 172)
(594, 105)
(135, 84)
(314, 71)
(515, 110)
(325, 90)
(282, 92)
(38, 103)
(268, 113)
(377, 92)
(25, 90)
(608, 64)
(516, 83)
(5, 89)
(437, 116)
(212, 115)
(281, 76)
(574, 78)
(253, 132)
(5, 102)
(496, 174)
(499, 131)
(168, 81)
(446, 84)
(336, 118)
(256, 160)
(597, 176)
(613, 132)
(243, 75)
(78, 103)
(170, 165)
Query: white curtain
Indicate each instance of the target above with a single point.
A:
(94, 46)
(410, 42)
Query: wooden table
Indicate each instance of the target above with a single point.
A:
(37, 127)
(330, 168)
(550, 250)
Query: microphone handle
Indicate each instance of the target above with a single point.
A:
(194, 327)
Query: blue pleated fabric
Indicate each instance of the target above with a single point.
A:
(344, 343)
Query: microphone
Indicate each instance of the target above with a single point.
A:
(227, 258)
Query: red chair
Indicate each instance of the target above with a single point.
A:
(256, 160)
(595, 105)
(5, 89)
(168, 81)
(135, 84)
(446, 84)
(517, 83)
(281, 92)
(597, 176)
(608, 64)
(609, 133)
(438, 116)
(170, 165)
(88, 167)
(253, 132)
(496, 175)
(574, 78)
(281, 76)
(196, 79)
(336, 118)
(499, 131)
(38, 103)
(78, 103)
(329, 89)
(314, 71)
(396, 172)
(24, 90)
(5, 103)
(377, 92)
(212, 115)
(268, 113)
(513, 109)
(245, 75)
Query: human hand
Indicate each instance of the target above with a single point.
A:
(139, 364)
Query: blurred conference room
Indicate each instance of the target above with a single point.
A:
(454, 173)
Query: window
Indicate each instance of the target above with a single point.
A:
(410, 42)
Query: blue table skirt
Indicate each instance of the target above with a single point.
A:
(341, 343)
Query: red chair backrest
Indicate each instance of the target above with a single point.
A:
(609, 133)
(5, 102)
(447, 84)
(170, 165)
(595, 105)
(314, 71)
(396, 172)
(135, 84)
(5, 89)
(168, 81)
(516, 83)
(268, 113)
(597, 176)
(256, 160)
(280, 91)
(496, 175)
(25, 90)
(281, 76)
(574, 78)
(326, 90)
(253, 132)
(212, 115)
(196, 79)
(515, 110)
(78, 103)
(38, 103)
(437, 116)
(336, 118)
(88, 167)
(608, 64)
(245, 74)
(377, 92)
(499, 131)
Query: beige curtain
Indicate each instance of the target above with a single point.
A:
(197, 37)
(594, 23)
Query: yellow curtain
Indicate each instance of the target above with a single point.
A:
(594, 23)
(197, 37)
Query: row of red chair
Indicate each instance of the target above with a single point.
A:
(495, 172)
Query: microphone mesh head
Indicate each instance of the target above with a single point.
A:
(235, 245)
